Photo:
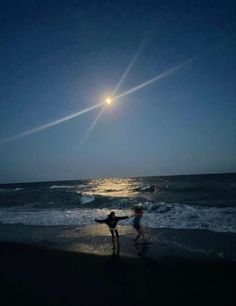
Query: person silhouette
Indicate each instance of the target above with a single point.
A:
(138, 214)
(111, 222)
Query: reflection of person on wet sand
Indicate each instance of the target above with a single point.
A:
(115, 248)
(141, 249)
(138, 214)
(111, 221)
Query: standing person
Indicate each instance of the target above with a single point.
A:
(111, 221)
(138, 214)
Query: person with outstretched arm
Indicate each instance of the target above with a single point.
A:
(111, 222)
(138, 214)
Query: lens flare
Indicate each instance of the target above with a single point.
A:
(108, 100)
(92, 125)
(156, 78)
(46, 126)
(129, 67)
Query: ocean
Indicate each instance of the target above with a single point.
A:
(189, 213)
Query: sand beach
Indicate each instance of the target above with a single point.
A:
(33, 275)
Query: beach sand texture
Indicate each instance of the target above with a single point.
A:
(32, 275)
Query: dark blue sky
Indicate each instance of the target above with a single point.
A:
(60, 57)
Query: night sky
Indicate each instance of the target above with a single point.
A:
(60, 57)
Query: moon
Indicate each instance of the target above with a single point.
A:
(108, 100)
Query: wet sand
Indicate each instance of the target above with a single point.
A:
(96, 239)
(31, 275)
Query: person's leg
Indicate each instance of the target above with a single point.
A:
(138, 235)
(112, 236)
(142, 235)
(117, 234)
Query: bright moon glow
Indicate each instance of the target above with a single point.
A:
(108, 100)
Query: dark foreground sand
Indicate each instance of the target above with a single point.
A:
(35, 276)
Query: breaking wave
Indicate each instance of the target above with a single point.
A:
(158, 215)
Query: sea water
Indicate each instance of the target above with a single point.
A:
(204, 203)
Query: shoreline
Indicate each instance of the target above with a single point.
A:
(96, 239)
(33, 275)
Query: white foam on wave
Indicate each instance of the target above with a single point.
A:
(85, 199)
(144, 188)
(180, 216)
(9, 189)
(173, 216)
(61, 187)
(53, 216)
(82, 186)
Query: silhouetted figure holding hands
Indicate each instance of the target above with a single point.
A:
(138, 214)
(111, 221)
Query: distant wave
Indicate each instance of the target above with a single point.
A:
(81, 186)
(146, 188)
(4, 190)
(62, 187)
(10, 189)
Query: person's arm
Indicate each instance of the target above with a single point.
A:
(101, 221)
(122, 218)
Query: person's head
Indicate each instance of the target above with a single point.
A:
(112, 215)
(138, 208)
